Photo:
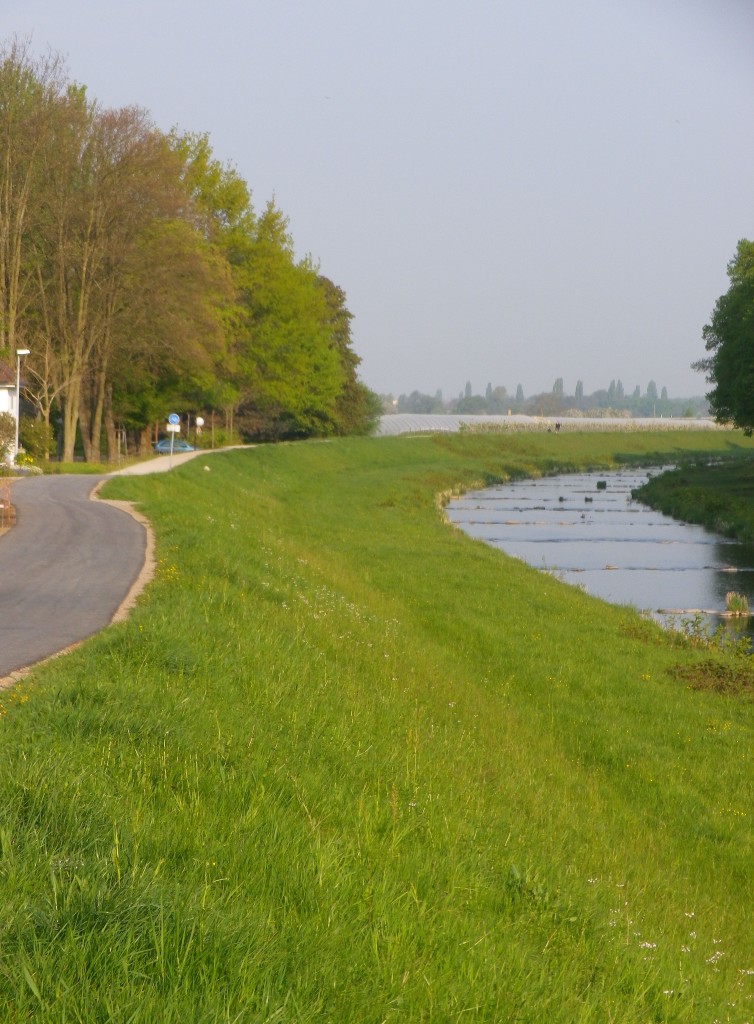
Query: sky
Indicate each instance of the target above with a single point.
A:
(508, 191)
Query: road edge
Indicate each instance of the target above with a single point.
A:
(143, 578)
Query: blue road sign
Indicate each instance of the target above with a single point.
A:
(174, 418)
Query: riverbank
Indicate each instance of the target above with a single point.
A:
(343, 763)
(587, 529)
(719, 497)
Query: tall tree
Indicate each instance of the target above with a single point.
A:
(29, 90)
(111, 176)
(729, 338)
(125, 276)
(291, 372)
(357, 408)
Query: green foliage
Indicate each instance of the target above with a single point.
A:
(36, 437)
(142, 280)
(736, 603)
(729, 337)
(290, 371)
(7, 434)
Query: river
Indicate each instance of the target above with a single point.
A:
(588, 530)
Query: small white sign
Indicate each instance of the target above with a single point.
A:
(173, 428)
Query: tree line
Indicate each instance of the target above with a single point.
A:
(614, 400)
(135, 269)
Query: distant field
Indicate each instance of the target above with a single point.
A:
(345, 764)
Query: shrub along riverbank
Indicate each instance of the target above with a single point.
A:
(345, 764)
(719, 497)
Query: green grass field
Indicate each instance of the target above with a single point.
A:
(344, 764)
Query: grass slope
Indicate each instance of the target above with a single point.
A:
(720, 497)
(345, 764)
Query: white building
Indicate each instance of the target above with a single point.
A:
(7, 389)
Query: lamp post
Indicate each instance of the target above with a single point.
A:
(19, 352)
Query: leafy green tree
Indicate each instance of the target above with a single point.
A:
(557, 388)
(729, 338)
(498, 400)
(579, 390)
(418, 403)
(519, 394)
(357, 408)
(290, 370)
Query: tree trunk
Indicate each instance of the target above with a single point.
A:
(113, 452)
(70, 420)
(145, 440)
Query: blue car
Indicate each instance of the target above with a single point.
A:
(179, 445)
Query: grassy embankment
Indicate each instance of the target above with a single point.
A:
(344, 764)
(719, 497)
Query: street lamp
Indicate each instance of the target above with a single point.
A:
(19, 352)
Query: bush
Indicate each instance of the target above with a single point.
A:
(7, 435)
(36, 437)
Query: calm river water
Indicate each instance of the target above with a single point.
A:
(612, 546)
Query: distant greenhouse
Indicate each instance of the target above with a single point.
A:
(434, 423)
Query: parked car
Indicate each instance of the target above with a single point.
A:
(179, 445)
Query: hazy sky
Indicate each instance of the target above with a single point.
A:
(509, 191)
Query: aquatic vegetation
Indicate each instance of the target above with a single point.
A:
(736, 604)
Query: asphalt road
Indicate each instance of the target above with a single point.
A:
(65, 567)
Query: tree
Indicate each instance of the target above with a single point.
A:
(729, 338)
(519, 393)
(579, 390)
(557, 388)
(652, 391)
(111, 179)
(357, 408)
(29, 91)
(417, 402)
(497, 401)
(288, 367)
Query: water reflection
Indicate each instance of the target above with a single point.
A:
(615, 548)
